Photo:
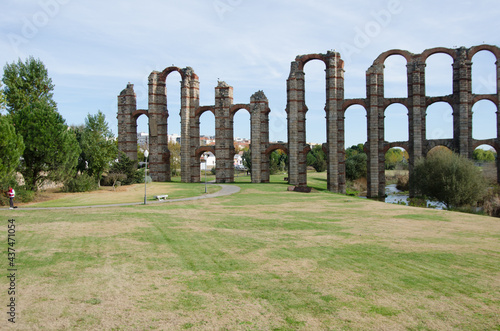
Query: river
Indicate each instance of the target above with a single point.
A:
(395, 196)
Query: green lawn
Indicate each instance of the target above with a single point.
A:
(261, 259)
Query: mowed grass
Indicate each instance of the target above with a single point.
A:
(124, 194)
(261, 259)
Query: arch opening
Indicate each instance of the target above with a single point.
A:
(142, 131)
(241, 142)
(484, 73)
(439, 75)
(395, 77)
(207, 129)
(396, 123)
(315, 98)
(485, 157)
(355, 125)
(484, 120)
(439, 121)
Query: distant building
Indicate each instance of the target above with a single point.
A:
(143, 140)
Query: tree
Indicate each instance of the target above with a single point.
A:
(175, 157)
(356, 162)
(125, 170)
(395, 157)
(449, 178)
(278, 162)
(2, 98)
(51, 150)
(27, 83)
(247, 158)
(481, 155)
(316, 158)
(97, 146)
(11, 149)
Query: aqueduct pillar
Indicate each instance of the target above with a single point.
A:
(375, 124)
(416, 112)
(224, 146)
(462, 103)
(296, 114)
(259, 112)
(159, 155)
(127, 125)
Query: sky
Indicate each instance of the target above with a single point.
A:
(92, 49)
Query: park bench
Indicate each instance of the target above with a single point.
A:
(161, 197)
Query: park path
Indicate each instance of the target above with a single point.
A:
(226, 190)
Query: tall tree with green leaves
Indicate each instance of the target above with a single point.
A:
(51, 150)
(97, 146)
(2, 98)
(11, 149)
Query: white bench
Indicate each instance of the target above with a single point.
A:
(161, 197)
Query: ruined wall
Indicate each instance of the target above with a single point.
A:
(461, 100)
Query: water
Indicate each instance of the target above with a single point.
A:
(394, 196)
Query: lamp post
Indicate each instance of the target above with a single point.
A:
(146, 154)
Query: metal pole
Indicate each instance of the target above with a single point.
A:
(205, 174)
(145, 176)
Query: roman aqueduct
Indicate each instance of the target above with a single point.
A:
(461, 101)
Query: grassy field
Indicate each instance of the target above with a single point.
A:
(261, 259)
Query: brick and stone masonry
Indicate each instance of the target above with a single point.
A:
(461, 101)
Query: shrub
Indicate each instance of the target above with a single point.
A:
(22, 195)
(81, 183)
(449, 178)
(356, 166)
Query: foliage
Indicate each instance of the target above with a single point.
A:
(316, 158)
(278, 162)
(27, 83)
(481, 155)
(356, 162)
(81, 183)
(449, 178)
(51, 150)
(247, 158)
(11, 149)
(175, 157)
(97, 146)
(2, 98)
(396, 158)
(126, 167)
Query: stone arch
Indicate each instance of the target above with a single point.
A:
(135, 115)
(491, 108)
(234, 108)
(382, 57)
(303, 59)
(402, 144)
(475, 49)
(431, 144)
(274, 147)
(199, 151)
(201, 110)
(167, 71)
(438, 50)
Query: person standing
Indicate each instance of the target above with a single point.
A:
(12, 194)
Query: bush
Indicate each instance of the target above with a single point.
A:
(449, 178)
(81, 183)
(356, 166)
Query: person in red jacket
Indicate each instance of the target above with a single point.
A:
(12, 194)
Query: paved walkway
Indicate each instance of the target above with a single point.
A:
(226, 190)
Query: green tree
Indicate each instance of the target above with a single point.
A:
(51, 150)
(449, 178)
(2, 98)
(481, 155)
(97, 146)
(26, 83)
(175, 157)
(126, 170)
(316, 158)
(11, 149)
(247, 159)
(394, 158)
(356, 162)
(278, 162)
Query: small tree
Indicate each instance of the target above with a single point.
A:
(97, 145)
(316, 158)
(449, 178)
(11, 149)
(175, 157)
(356, 162)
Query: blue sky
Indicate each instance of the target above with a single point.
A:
(92, 49)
